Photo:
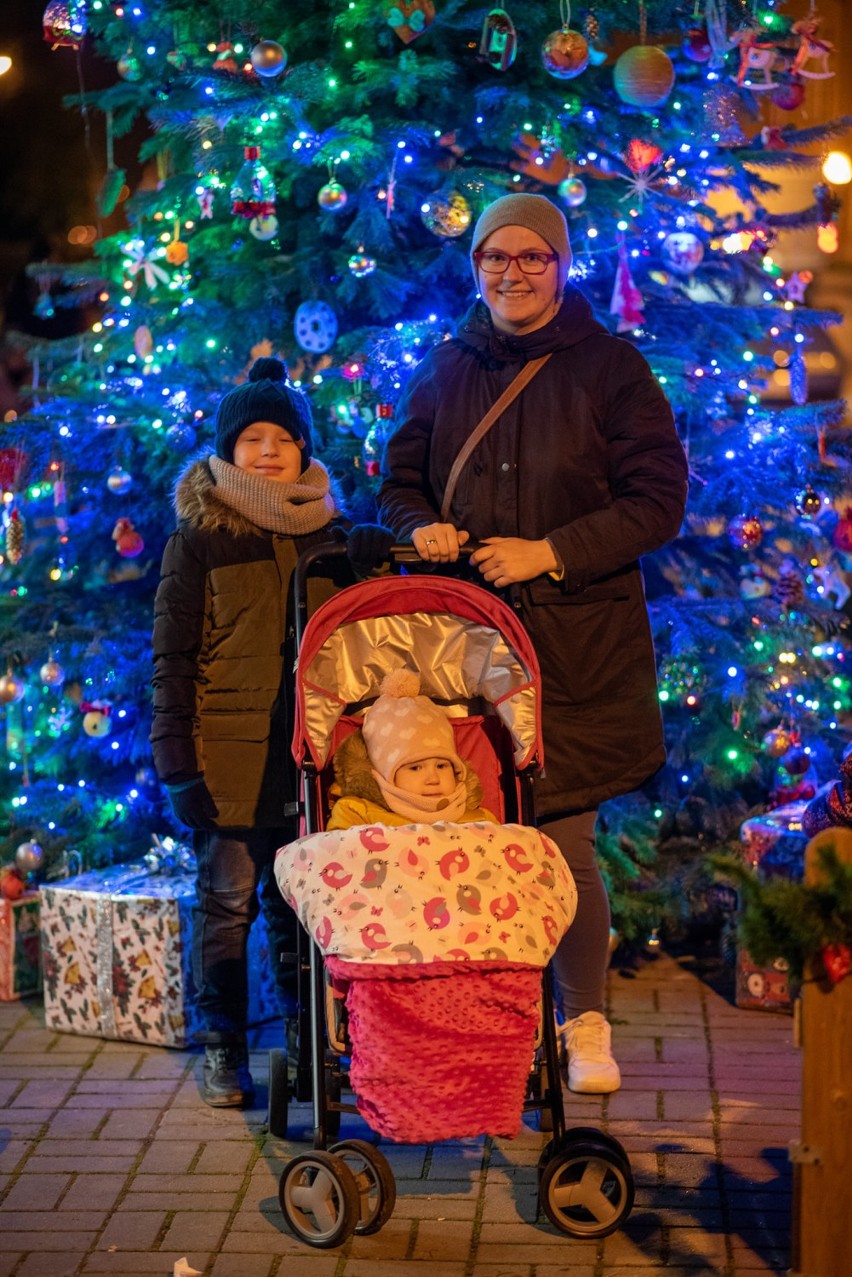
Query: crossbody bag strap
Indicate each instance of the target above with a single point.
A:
(500, 405)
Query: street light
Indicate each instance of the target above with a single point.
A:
(5, 64)
(837, 168)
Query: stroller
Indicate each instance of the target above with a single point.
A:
(476, 660)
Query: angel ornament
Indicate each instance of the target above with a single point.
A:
(811, 47)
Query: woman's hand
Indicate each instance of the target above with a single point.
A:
(438, 542)
(510, 560)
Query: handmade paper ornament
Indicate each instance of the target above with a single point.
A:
(119, 481)
(745, 531)
(97, 718)
(797, 283)
(29, 857)
(315, 326)
(127, 540)
(754, 583)
(332, 197)
(177, 252)
(225, 61)
(264, 228)
(409, 18)
(12, 689)
(268, 58)
(572, 191)
(361, 264)
(565, 54)
(446, 215)
(682, 252)
(144, 261)
(51, 673)
(64, 23)
(811, 49)
(696, 45)
(498, 42)
(643, 76)
(626, 300)
(253, 191)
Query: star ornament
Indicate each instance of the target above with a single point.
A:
(648, 176)
(143, 261)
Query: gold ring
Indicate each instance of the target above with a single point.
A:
(431, 541)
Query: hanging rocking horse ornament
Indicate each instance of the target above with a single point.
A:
(756, 56)
(811, 47)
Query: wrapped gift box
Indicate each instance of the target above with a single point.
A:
(762, 988)
(20, 972)
(116, 957)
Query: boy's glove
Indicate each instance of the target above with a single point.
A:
(368, 547)
(192, 804)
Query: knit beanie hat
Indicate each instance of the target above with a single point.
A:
(535, 212)
(402, 727)
(266, 396)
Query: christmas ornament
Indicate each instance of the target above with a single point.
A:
(371, 449)
(789, 587)
(177, 252)
(64, 23)
(141, 260)
(128, 66)
(51, 673)
(572, 191)
(263, 228)
(182, 436)
(790, 96)
(253, 191)
(745, 531)
(147, 781)
(808, 502)
(12, 885)
(360, 264)
(12, 464)
(836, 959)
(797, 284)
(565, 54)
(640, 156)
(772, 138)
(15, 536)
(44, 307)
(143, 342)
(332, 197)
(811, 47)
(626, 300)
(315, 326)
(409, 18)
(756, 55)
(720, 104)
(127, 540)
(119, 481)
(268, 58)
(776, 742)
(12, 689)
(754, 583)
(225, 60)
(499, 41)
(591, 30)
(97, 718)
(682, 252)
(842, 535)
(643, 76)
(796, 760)
(696, 45)
(29, 857)
(446, 215)
(798, 376)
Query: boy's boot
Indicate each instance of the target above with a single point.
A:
(227, 1082)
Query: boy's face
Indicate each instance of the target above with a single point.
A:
(269, 451)
(428, 777)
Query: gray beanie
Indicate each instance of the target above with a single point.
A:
(535, 212)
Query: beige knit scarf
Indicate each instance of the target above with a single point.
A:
(293, 509)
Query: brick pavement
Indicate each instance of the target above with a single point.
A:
(111, 1164)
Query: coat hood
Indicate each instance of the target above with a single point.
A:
(197, 503)
(353, 775)
(571, 325)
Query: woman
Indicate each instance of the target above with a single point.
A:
(582, 473)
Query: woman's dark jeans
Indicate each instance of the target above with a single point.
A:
(235, 879)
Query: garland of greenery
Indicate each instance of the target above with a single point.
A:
(808, 924)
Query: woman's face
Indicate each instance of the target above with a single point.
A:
(269, 451)
(519, 303)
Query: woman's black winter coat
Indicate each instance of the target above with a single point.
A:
(587, 456)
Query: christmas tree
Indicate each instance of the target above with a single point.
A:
(315, 173)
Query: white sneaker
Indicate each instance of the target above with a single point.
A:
(586, 1042)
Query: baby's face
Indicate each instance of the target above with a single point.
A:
(428, 777)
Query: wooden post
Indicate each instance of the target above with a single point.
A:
(822, 1161)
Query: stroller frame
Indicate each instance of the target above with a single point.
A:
(585, 1181)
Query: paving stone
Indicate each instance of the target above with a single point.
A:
(45, 1264)
(35, 1192)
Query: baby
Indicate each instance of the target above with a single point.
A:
(402, 768)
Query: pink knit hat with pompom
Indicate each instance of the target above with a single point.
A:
(403, 727)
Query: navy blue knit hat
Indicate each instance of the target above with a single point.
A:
(266, 396)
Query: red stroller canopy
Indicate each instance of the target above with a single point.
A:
(465, 643)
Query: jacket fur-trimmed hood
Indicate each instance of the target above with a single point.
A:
(198, 504)
(353, 775)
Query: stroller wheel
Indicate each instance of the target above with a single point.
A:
(279, 1093)
(586, 1188)
(376, 1184)
(581, 1135)
(319, 1199)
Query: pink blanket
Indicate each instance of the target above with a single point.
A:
(440, 1050)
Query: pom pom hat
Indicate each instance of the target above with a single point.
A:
(535, 213)
(403, 727)
(266, 396)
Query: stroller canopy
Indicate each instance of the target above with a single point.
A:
(465, 643)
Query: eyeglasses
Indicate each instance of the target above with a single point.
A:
(494, 263)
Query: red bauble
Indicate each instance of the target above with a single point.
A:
(696, 45)
(789, 96)
(745, 531)
(842, 535)
(127, 540)
(12, 885)
(837, 960)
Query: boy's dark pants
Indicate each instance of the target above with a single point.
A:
(235, 879)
